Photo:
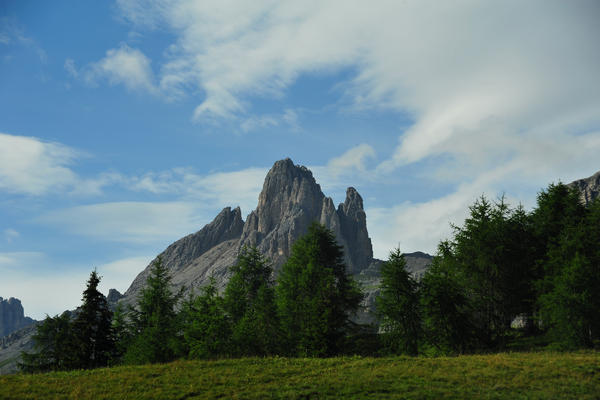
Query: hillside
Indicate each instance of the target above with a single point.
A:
(497, 376)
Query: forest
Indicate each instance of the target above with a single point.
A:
(507, 279)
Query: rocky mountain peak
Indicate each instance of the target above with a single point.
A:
(589, 188)
(353, 203)
(353, 228)
(288, 188)
(12, 316)
(289, 202)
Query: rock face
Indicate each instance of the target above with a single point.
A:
(589, 188)
(12, 345)
(12, 316)
(289, 202)
(186, 252)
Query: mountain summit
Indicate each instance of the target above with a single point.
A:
(289, 202)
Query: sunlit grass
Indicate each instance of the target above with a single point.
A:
(540, 375)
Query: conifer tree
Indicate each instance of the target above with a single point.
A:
(92, 328)
(157, 332)
(315, 295)
(445, 307)
(53, 348)
(398, 306)
(207, 327)
(249, 300)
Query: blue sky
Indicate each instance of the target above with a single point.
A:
(127, 124)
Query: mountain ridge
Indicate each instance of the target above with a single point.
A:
(290, 200)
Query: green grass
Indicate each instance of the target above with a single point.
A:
(541, 375)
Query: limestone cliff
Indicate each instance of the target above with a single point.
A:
(589, 188)
(12, 316)
(289, 202)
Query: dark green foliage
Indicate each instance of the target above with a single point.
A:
(491, 259)
(207, 328)
(445, 307)
(398, 306)
(92, 330)
(505, 263)
(315, 295)
(249, 300)
(157, 332)
(123, 333)
(61, 343)
(570, 306)
(53, 346)
(558, 213)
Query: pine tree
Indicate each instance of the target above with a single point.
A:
(157, 332)
(53, 348)
(571, 307)
(398, 306)
(445, 306)
(207, 327)
(92, 328)
(315, 295)
(249, 300)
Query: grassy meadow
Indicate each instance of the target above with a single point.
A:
(542, 375)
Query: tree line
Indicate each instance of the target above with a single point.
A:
(504, 266)
(506, 278)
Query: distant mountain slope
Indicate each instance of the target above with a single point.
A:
(589, 188)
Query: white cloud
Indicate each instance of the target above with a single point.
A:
(288, 119)
(258, 122)
(504, 95)
(123, 65)
(120, 273)
(23, 278)
(349, 169)
(10, 235)
(478, 78)
(217, 189)
(31, 166)
(11, 32)
(353, 159)
(70, 68)
(130, 222)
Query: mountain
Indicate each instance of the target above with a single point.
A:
(289, 202)
(589, 188)
(12, 316)
(12, 345)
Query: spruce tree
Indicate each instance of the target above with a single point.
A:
(207, 327)
(444, 306)
(92, 328)
(53, 346)
(315, 295)
(249, 300)
(398, 306)
(157, 333)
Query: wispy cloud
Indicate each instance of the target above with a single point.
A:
(289, 119)
(10, 235)
(121, 66)
(128, 222)
(31, 166)
(12, 33)
(23, 278)
(198, 199)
